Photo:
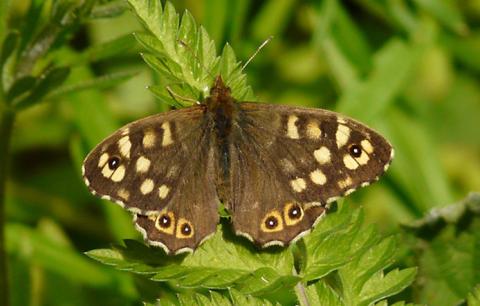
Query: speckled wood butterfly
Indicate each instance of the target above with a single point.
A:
(275, 168)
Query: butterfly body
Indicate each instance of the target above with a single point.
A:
(275, 168)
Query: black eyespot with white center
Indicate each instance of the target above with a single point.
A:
(271, 222)
(113, 162)
(186, 229)
(355, 150)
(295, 212)
(165, 221)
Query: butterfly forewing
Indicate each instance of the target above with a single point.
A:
(287, 163)
(155, 168)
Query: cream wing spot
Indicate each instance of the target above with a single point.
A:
(318, 177)
(322, 155)
(367, 146)
(350, 162)
(124, 145)
(292, 130)
(341, 120)
(106, 171)
(298, 184)
(313, 130)
(148, 140)
(119, 174)
(124, 194)
(363, 159)
(143, 164)
(146, 187)
(342, 135)
(163, 191)
(345, 183)
(103, 160)
(167, 134)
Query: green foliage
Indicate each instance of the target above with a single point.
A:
(184, 54)
(340, 249)
(446, 248)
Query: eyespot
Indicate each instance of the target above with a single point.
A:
(293, 214)
(355, 150)
(165, 222)
(271, 222)
(184, 229)
(113, 162)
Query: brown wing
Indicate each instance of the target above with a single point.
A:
(155, 168)
(287, 163)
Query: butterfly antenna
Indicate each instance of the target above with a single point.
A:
(186, 46)
(256, 52)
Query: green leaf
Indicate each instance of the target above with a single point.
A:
(357, 255)
(52, 256)
(335, 241)
(393, 65)
(320, 293)
(447, 13)
(102, 51)
(272, 18)
(183, 54)
(446, 247)
(217, 264)
(109, 9)
(9, 44)
(20, 88)
(100, 82)
(215, 18)
(45, 84)
(473, 298)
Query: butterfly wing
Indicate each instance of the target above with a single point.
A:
(287, 163)
(155, 168)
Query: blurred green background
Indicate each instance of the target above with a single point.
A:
(409, 68)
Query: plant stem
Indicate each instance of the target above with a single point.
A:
(7, 118)
(301, 295)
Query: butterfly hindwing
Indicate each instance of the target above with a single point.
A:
(155, 167)
(287, 163)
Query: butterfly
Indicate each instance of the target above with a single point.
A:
(275, 168)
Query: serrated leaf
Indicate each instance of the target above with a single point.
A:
(381, 286)
(357, 255)
(217, 264)
(320, 293)
(181, 50)
(334, 242)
